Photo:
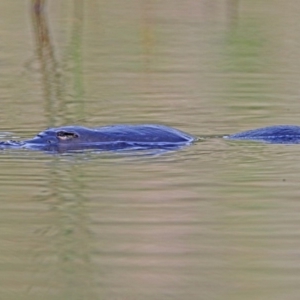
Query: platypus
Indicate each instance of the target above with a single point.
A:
(115, 137)
(139, 137)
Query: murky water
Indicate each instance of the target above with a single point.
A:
(216, 220)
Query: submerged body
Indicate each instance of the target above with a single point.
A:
(139, 137)
(279, 134)
(108, 138)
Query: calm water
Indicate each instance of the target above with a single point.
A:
(217, 220)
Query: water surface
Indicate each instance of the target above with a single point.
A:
(215, 220)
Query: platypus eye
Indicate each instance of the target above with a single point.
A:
(65, 135)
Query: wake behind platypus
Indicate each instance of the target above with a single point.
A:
(138, 137)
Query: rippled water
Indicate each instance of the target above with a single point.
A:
(216, 220)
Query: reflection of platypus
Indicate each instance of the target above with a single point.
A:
(136, 137)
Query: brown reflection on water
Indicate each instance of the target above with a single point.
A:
(233, 12)
(68, 221)
(147, 32)
(50, 76)
(70, 241)
(54, 78)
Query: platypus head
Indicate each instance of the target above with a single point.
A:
(62, 139)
